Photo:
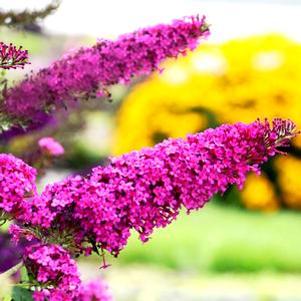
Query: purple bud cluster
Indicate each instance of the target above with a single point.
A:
(87, 72)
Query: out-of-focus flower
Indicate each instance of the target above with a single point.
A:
(289, 174)
(83, 74)
(51, 147)
(259, 194)
(95, 290)
(12, 57)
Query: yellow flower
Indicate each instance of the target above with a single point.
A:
(258, 194)
(289, 173)
(151, 119)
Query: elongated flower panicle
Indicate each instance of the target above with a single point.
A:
(89, 71)
(54, 270)
(17, 185)
(12, 57)
(141, 190)
(146, 189)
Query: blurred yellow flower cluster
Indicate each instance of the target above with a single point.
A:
(240, 80)
(289, 173)
(259, 194)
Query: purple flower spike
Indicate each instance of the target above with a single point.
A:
(87, 72)
(141, 191)
(146, 189)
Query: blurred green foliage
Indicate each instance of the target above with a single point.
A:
(34, 43)
(223, 239)
(21, 294)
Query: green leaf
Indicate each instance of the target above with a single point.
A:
(21, 294)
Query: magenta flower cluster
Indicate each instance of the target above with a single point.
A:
(89, 71)
(50, 147)
(58, 278)
(54, 270)
(146, 189)
(12, 57)
(55, 273)
(141, 190)
(17, 185)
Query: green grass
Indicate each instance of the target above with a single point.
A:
(223, 239)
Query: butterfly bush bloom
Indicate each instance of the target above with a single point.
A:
(51, 147)
(17, 184)
(89, 71)
(12, 57)
(146, 189)
(55, 271)
(57, 277)
(141, 190)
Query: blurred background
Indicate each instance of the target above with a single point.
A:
(245, 245)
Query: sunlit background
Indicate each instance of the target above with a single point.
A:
(245, 245)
